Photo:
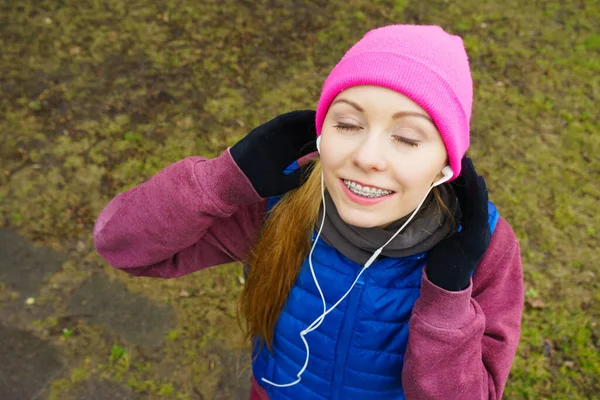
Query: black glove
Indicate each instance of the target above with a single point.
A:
(269, 149)
(451, 262)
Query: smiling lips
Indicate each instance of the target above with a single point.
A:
(364, 195)
(366, 191)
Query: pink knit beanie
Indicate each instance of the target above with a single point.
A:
(424, 63)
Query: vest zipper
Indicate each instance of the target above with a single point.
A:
(341, 349)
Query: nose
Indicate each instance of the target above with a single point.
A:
(370, 154)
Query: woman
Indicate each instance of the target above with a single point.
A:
(370, 275)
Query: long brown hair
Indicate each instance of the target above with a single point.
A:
(276, 259)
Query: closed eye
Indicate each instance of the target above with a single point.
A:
(403, 140)
(347, 127)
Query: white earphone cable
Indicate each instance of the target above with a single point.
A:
(317, 322)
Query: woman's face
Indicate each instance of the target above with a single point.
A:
(386, 143)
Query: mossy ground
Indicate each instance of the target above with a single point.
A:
(98, 95)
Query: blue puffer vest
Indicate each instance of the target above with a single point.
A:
(358, 351)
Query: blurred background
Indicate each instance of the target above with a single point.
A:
(99, 95)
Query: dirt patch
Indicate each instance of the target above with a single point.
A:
(96, 389)
(131, 316)
(24, 266)
(235, 382)
(28, 365)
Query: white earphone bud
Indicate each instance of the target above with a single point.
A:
(447, 172)
(319, 144)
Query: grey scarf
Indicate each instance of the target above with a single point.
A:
(430, 226)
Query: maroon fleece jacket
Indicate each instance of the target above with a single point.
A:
(202, 212)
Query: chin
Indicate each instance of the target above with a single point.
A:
(361, 219)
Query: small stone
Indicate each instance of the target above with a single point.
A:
(80, 246)
(184, 293)
(30, 301)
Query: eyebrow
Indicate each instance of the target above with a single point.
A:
(399, 114)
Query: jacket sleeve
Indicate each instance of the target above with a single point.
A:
(461, 344)
(193, 214)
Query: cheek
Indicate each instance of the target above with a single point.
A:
(327, 162)
(328, 165)
(329, 178)
(411, 178)
(419, 172)
(331, 155)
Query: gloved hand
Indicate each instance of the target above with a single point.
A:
(451, 262)
(269, 149)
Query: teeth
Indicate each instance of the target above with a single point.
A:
(366, 191)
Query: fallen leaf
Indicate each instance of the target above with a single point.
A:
(536, 303)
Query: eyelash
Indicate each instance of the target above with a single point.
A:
(399, 139)
(345, 127)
